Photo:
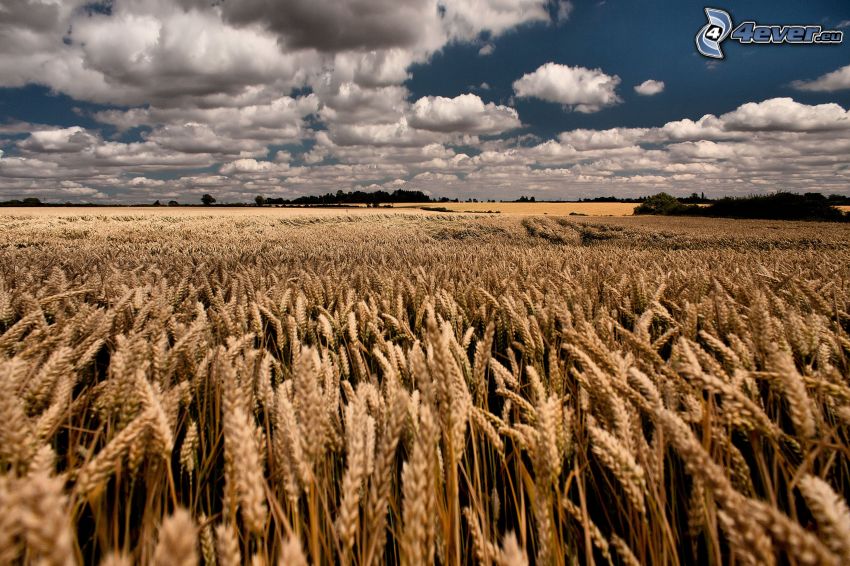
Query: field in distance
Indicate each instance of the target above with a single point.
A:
(550, 208)
(201, 211)
(515, 208)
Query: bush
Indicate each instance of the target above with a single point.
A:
(29, 201)
(778, 206)
(663, 204)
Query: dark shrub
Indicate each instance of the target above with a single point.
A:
(662, 204)
(778, 206)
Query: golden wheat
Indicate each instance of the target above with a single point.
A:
(422, 388)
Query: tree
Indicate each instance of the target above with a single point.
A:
(156, 203)
(173, 203)
(207, 199)
(260, 200)
(662, 204)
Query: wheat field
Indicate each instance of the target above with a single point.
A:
(533, 208)
(510, 208)
(422, 388)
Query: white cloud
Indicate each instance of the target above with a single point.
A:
(194, 137)
(76, 152)
(602, 139)
(704, 149)
(170, 53)
(211, 85)
(370, 69)
(785, 114)
(393, 134)
(77, 190)
(565, 8)
(274, 118)
(419, 26)
(650, 87)
(432, 176)
(15, 168)
(830, 82)
(145, 182)
(350, 103)
(466, 19)
(252, 166)
(63, 140)
(334, 25)
(707, 127)
(224, 130)
(487, 49)
(207, 82)
(577, 88)
(143, 52)
(466, 113)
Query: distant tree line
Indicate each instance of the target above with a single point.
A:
(693, 198)
(775, 206)
(839, 200)
(612, 199)
(375, 198)
(31, 201)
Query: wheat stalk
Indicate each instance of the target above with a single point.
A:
(831, 512)
(178, 541)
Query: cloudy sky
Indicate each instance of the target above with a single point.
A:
(137, 100)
